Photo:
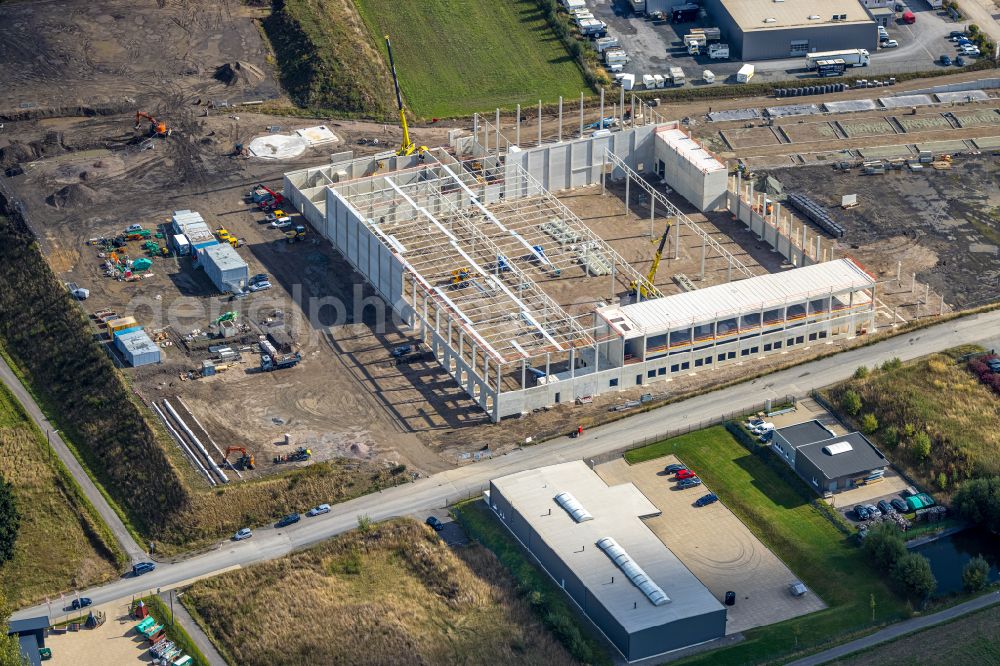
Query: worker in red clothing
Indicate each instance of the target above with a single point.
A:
(579, 430)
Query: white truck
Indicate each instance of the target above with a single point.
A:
(602, 44)
(592, 27)
(718, 51)
(677, 76)
(745, 74)
(851, 57)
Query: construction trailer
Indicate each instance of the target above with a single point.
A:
(411, 226)
(138, 348)
(224, 267)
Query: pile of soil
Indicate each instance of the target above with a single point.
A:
(239, 72)
(18, 152)
(72, 196)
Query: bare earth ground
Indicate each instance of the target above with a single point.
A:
(84, 177)
(114, 642)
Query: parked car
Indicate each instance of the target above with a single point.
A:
(684, 474)
(730, 598)
(963, 41)
(753, 423)
(259, 286)
(885, 508)
(290, 519)
(282, 222)
(684, 484)
(890, 44)
(899, 505)
(960, 61)
(81, 602)
(873, 510)
(762, 428)
(956, 34)
(434, 523)
(401, 350)
(945, 60)
(860, 512)
(671, 469)
(705, 500)
(967, 51)
(142, 568)
(260, 277)
(244, 533)
(318, 510)
(766, 437)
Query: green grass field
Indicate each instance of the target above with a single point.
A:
(778, 511)
(454, 57)
(62, 545)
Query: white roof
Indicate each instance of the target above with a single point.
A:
(223, 256)
(752, 15)
(689, 149)
(734, 298)
(656, 589)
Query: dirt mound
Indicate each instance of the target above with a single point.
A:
(239, 72)
(18, 152)
(72, 196)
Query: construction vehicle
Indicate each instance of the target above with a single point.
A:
(408, 147)
(155, 126)
(270, 200)
(299, 455)
(224, 234)
(645, 289)
(460, 276)
(245, 461)
(269, 363)
(296, 234)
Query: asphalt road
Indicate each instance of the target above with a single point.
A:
(899, 629)
(438, 490)
(111, 519)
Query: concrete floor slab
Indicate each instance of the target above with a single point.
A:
(716, 547)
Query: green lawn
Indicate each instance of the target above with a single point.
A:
(59, 527)
(777, 509)
(454, 57)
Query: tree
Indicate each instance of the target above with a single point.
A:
(869, 423)
(884, 546)
(10, 520)
(890, 436)
(921, 445)
(851, 402)
(942, 481)
(913, 572)
(976, 573)
(978, 501)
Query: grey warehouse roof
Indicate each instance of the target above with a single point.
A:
(804, 433)
(616, 512)
(862, 457)
(138, 342)
(753, 15)
(224, 256)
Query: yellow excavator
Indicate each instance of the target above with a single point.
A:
(644, 289)
(408, 147)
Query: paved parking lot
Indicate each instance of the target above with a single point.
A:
(655, 47)
(716, 547)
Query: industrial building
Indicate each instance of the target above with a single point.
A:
(137, 347)
(828, 462)
(766, 29)
(224, 267)
(591, 540)
(30, 634)
(470, 253)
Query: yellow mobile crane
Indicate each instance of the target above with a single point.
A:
(408, 147)
(643, 288)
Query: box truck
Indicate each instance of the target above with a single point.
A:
(833, 67)
(745, 74)
(718, 51)
(677, 76)
(615, 59)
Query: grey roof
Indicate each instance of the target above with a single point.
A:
(28, 624)
(801, 434)
(863, 457)
(29, 648)
(224, 256)
(616, 513)
(751, 15)
(137, 342)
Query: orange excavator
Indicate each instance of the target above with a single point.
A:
(245, 461)
(155, 126)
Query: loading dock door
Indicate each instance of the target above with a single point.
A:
(799, 47)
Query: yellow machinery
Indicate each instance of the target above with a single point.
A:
(643, 288)
(408, 147)
(461, 276)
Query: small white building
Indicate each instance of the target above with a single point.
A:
(687, 167)
(224, 266)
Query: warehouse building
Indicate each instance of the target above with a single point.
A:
(828, 462)
(137, 348)
(591, 539)
(224, 267)
(766, 29)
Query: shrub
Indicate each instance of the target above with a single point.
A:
(10, 520)
(851, 402)
(884, 546)
(861, 372)
(942, 481)
(921, 445)
(976, 573)
(973, 29)
(913, 572)
(869, 423)
(892, 364)
(890, 436)
(364, 522)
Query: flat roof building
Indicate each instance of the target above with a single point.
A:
(764, 29)
(829, 462)
(591, 539)
(224, 267)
